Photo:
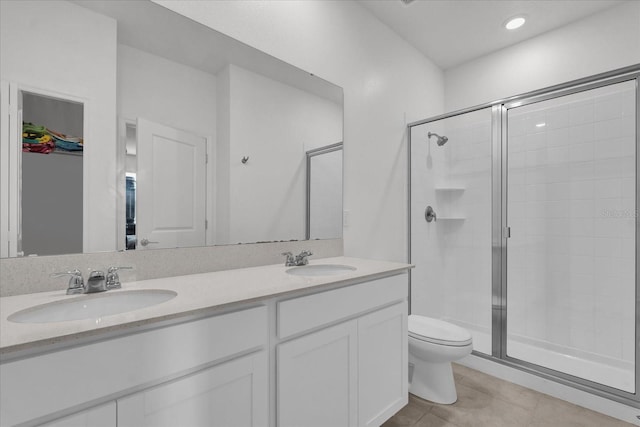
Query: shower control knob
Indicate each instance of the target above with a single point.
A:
(430, 214)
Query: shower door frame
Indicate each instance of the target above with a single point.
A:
(500, 230)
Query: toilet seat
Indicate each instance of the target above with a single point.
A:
(437, 331)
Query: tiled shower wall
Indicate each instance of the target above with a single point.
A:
(572, 213)
(452, 278)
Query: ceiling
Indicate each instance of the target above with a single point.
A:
(451, 32)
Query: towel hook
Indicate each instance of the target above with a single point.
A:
(245, 159)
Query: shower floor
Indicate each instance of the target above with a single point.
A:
(610, 372)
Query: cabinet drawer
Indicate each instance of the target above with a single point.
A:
(30, 388)
(308, 312)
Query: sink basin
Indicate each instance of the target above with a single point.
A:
(92, 306)
(320, 270)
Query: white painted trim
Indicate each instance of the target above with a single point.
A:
(211, 189)
(14, 181)
(5, 110)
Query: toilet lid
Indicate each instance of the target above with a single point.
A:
(437, 331)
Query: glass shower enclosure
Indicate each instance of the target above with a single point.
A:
(531, 238)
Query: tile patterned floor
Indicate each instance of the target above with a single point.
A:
(486, 401)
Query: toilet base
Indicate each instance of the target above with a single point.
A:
(433, 381)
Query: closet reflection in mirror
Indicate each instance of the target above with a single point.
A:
(51, 208)
(189, 138)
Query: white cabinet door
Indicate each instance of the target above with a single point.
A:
(234, 393)
(382, 364)
(317, 378)
(100, 416)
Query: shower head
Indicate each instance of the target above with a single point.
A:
(441, 140)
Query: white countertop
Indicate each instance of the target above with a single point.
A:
(197, 293)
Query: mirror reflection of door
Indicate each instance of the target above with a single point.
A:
(324, 198)
(50, 175)
(170, 187)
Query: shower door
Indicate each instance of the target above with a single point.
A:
(450, 172)
(571, 213)
(523, 229)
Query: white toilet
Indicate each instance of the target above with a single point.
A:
(433, 345)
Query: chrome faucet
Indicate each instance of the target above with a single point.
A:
(298, 260)
(113, 280)
(301, 258)
(76, 282)
(98, 281)
(290, 261)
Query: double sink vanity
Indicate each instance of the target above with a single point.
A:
(323, 344)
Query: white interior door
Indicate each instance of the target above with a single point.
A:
(171, 200)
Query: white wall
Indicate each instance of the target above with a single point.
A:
(596, 44)
(386, 82)
(165, 92)
(274, 125)
(51, 214)
(70, 51)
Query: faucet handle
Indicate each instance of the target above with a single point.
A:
(73, 273)
(114, 269)
(76, 282)
(290, 259)
(301, 259)
(113, 280)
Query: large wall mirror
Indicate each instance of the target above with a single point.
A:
(126, 126)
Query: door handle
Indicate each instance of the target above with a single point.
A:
(145, 242)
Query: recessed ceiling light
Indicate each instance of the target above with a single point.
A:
(514, 23)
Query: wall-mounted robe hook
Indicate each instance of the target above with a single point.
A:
(245, 159)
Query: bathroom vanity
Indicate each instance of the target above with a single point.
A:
(249, 347)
